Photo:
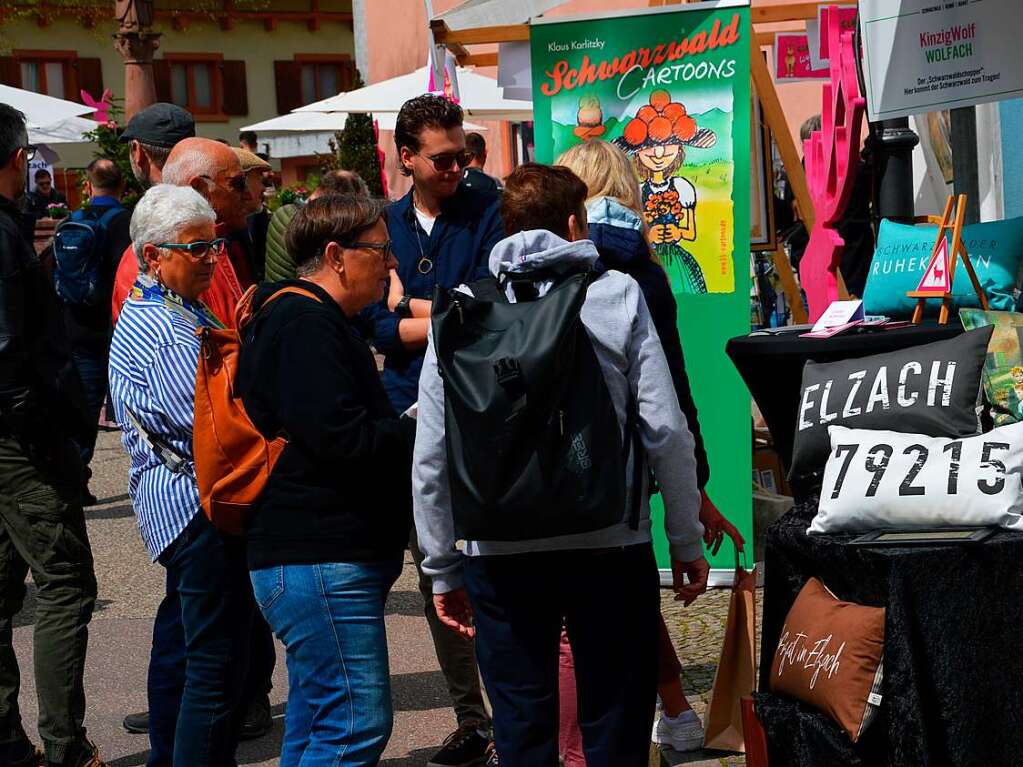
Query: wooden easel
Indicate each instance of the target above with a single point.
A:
(956, 251)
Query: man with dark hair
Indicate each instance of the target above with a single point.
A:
(42, 526)
(591, 570)
(88, 325)
(37, 202)
(474, 176)
(247, 140)
(442, 234)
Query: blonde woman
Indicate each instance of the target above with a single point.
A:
(616, 227)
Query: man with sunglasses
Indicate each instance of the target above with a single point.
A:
(214, 171)
(42, 525)
(442, 234)
(38, 201)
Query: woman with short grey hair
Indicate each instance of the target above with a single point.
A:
(208, 607)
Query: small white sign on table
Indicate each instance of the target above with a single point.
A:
(928, 55)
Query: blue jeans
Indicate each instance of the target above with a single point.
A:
(194, 711)
(92, 369)
(330, 618)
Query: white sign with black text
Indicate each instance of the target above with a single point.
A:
(929, 55)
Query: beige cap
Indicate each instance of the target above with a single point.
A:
(250, 161)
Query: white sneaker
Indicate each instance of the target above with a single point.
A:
(683, 733)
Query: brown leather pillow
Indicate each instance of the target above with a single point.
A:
(831, 657)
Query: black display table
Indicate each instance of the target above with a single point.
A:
(772, 366)
(953, 682)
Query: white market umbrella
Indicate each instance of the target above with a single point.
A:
(479, 96)
(300, 134)
(41, 111)
(69, 131)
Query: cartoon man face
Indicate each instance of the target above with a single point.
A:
(1017, 375)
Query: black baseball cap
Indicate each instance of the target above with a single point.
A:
(160, 124)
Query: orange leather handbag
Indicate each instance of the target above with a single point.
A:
(233, 460)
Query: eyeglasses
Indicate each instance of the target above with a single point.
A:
(445, 162)
(200, 250)
(30, 152)
(237, 183)
(386, 248)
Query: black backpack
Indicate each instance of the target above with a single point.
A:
(533, 442)
(78, 245)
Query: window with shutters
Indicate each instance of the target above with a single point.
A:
(195, 85)
(44, 76)
(61, 74)
(311, 77)
(209, 87)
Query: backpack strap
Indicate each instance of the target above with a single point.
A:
(243, 311)
(632, 444)
(488, 289)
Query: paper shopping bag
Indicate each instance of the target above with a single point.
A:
(735, 677)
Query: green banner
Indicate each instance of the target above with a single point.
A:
(672, 89)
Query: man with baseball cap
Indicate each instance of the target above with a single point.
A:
(152, 133)
(253, 237)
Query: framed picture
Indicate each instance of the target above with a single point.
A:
(763, 235)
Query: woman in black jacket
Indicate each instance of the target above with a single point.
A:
(617, 228)
(327, 540)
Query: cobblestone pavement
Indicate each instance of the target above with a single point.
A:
(130, 588)
(697, 632)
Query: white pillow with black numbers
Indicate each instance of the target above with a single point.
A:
(885, 479)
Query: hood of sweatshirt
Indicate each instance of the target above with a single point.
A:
(617, 233)
(536, 249)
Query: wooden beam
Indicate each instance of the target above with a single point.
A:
(479, 60)
(770, 14)
(774, 116)
(440, 30)
(511, 33)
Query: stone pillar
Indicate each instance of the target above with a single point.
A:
(136, 43)
(139, 83)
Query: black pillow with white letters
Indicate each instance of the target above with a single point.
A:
(931, 389)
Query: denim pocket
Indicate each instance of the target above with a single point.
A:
(267, 586)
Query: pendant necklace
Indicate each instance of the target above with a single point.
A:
(425, 265)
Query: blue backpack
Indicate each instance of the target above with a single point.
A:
(78, 256)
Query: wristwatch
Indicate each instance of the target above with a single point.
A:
(404, 307)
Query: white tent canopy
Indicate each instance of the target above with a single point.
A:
(69, 131)
(479, 96)
(301, 134)
(41, 111)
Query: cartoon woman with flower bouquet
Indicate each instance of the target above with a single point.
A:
(656, 138)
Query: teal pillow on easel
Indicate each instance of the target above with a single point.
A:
(901, 256)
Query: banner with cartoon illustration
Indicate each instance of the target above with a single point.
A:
(671, 89)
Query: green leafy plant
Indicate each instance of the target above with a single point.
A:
(355, 149)
(106, 137)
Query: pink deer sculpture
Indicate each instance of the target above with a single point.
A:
(831, 157)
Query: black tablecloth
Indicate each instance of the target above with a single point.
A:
(953, 682)
(772, 367)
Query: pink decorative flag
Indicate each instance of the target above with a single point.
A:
(832, 157)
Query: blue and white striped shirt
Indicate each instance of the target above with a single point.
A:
(153, 360)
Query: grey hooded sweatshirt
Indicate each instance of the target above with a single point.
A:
(616, 318)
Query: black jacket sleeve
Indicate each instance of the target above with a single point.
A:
(664, 313)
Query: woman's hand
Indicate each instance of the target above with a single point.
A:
(455, 612)
(395, 291)
(716, 527)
